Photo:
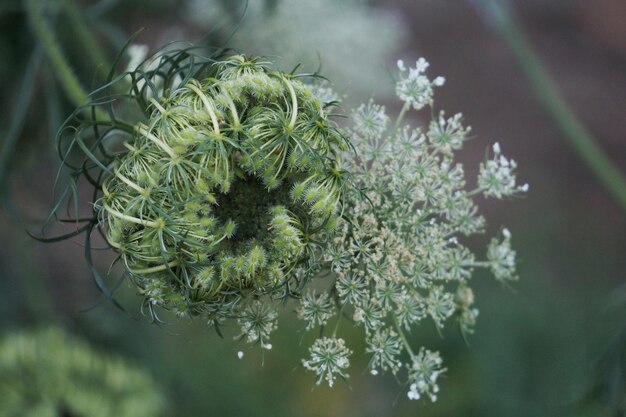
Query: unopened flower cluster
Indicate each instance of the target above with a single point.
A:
(400, 259)
(216, 198)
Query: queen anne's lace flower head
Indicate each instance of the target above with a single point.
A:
(316, 309)
(497, 177)
(328, 359)
(221, 188)
(424, 370)
(221, 197)
(237, 189)
(370, 120)
(501, 257)
(414, 88)
(258, 320)
(400, 257)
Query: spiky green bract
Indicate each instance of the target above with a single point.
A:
(229, 182)
(48, 373)
(223, 187)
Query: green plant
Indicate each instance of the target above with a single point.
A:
(48, 373)
(232, 188)
(227, 186)
(400, 257)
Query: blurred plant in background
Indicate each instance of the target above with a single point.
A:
(340, 37)
(49, 373)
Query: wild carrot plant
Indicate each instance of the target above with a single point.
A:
(227, 187)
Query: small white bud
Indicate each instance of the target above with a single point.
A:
(496, 147)
(439, 81)
(240, 354)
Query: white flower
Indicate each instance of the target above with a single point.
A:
(257, 321)
(409, 310)
(501, 258)
(424, 370)
(315, 309)
(497, 177)
(415, 88)
(399, 257)
(351, 288)
(449, 134)
(370, 313)
(440, 305)
(385, 347)
(324, 92)
(329, 359)
(370, 120)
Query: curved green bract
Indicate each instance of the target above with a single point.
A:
(223, 187)
(228, 185)
(48, 373)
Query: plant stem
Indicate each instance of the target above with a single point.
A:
(399, 119)
(61, 67)
(18, 118)
(45, 35)
(405, 342)
(85, 36)
(339, 317)
(581, 141)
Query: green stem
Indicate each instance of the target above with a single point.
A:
(85, 36)
(45, 35)
(18, 118)
(61, 67)
(339, 318)
(581, 141)
(396, 126)
(405, 342)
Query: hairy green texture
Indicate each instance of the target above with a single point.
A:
(230, 183)
(47, 373)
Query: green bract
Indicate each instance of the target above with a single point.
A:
(226, 187)
(47, 373)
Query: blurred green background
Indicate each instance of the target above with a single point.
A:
(554, 345)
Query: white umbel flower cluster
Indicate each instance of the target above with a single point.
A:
(497, 176)
(502, 258)
(316, 309)
(400, 258)
(257, 321)
(424, 370)
(329, 359)
(414, 87)
(370, 119)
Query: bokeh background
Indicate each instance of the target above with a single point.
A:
(552, 345)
